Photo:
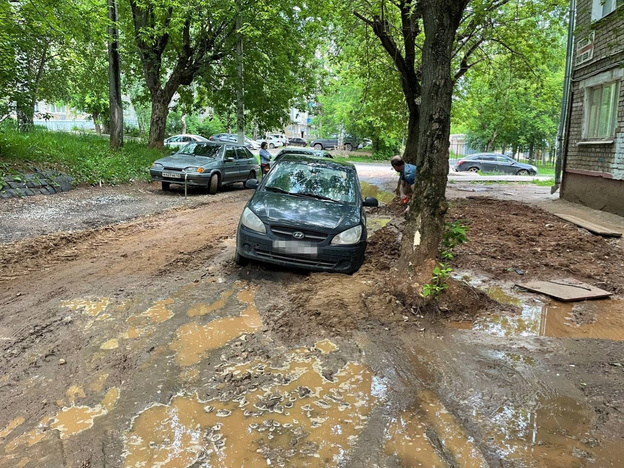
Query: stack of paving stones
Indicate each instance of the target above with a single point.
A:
(34, 183)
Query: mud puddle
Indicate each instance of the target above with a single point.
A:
(601, 319)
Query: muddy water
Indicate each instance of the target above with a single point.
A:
(297, 418)
(590, 319)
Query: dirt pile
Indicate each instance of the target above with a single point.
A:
(512, 241)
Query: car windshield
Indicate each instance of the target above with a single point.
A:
(308, 179)
(201, 149)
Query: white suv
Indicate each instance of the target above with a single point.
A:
(273, 142)
(280, 137)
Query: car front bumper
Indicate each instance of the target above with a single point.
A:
(334, 258)
(191, 178)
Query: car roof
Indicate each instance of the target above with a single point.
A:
(316, 160)
(219, 143)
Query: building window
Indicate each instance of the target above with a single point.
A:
(601, 8)
(601, 114)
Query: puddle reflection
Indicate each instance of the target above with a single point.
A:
(591, 319)
(293, 416)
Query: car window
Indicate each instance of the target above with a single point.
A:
(487, 158)
(334, 182)
(201, 149)
(502, 159)
(173, 139)
(241, 154)
(229, 153)
(185, 138)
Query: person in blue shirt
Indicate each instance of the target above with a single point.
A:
(265, 157)
(407, 175)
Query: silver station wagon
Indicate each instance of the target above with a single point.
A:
(206, 164)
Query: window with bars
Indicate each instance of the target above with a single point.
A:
(601, 114)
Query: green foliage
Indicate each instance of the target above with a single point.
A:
(454, 234)
(438, 282)
(87, 158)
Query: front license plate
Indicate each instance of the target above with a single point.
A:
(172, 175)
(295, 248)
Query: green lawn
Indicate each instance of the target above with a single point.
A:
(87, 158)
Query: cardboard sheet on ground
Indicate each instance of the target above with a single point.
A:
(566, 290)
(591, 227)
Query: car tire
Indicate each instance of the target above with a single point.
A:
(523, 172)
(348, 147)
(213, 185)
(318, 146)
(252, 175)
(271, 145)
(473, 169)
(166, 186)
(240, 260)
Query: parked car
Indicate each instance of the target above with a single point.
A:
(332, 143)
(206, 164)
(283, 139)
(233, 138)
(297, 141)
(303, 151)
(365, 143)
(307, 213)
(273, 142)
(178, 141)
(494, 162)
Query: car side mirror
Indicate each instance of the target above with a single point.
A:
(229, 159)
(252, 184)
(370, 201)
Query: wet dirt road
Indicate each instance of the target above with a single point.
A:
(142, 344)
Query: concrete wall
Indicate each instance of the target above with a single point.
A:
(595, 192)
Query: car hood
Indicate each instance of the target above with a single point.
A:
(289, 210)
(184, 160)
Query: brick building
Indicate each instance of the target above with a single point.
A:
(593, 163)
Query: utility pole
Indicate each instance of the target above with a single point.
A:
(240, 103)
(114, 79)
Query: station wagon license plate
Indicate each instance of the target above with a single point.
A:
(295, 248)
(172, 175)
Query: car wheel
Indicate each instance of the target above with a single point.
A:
(349, 147)
(252, 175)
(473, 169)
(318, 146)
(213, 184)
(240, 260)
(166, 186)
(523, 172)
(271, 145)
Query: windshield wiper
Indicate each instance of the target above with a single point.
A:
(313, 195)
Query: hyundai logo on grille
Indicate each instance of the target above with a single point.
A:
(298, 235)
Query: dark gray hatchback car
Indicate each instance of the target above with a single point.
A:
(306, 213)
(206, 164)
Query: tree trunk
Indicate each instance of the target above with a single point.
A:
(158, 122)
(96, 122)
(25, 114)
(411, 146)
(183, 122)
(114, 79)
(425, 225)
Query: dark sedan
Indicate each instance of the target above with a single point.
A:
(297, 142)
(494, 162)
(306, 213)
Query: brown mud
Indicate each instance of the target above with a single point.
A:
(142, 344)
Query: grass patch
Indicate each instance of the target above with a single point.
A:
(359, 159)
(370, 190)
(87, 158)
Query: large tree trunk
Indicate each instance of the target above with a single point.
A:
(25, 114)
(425, 225)
(158, 122)
(411, 146)
(96, 122)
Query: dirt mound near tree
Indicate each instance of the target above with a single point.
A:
(507, 239)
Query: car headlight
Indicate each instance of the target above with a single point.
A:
(350, 236)
(251, 221)
(193, 169)
(157, 165)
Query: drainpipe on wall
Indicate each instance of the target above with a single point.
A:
(567, 83)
